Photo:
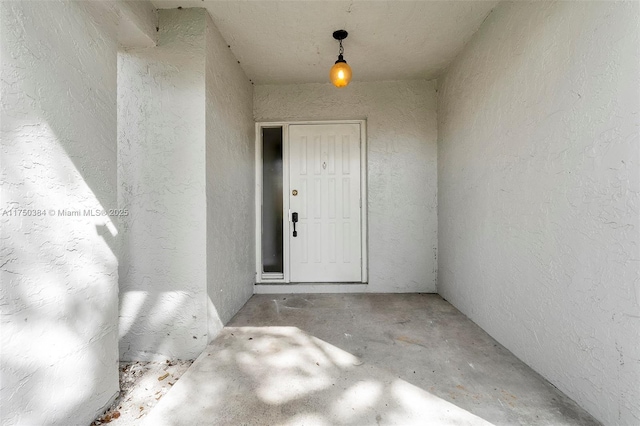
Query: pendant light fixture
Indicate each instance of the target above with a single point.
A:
(340, 74)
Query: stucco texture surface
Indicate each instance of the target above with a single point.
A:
(137, 24)
(161, 178)
(229, 180)
(538, 205)
(58, 267)
(401, 168)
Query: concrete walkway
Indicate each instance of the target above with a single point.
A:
(359, 360)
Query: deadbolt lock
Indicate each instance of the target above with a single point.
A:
(294, 192)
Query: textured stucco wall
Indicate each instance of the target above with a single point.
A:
(539, 180)
(230, 181)
(59, 273)
(137, 23)
(401, 162)
(161, 178)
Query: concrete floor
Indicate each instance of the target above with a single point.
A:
(360, 359)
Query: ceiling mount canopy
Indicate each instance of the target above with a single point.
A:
(340, 34)
(340, 74)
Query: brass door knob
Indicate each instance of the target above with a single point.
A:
(294, 192)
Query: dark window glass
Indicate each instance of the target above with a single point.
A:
(272, 244)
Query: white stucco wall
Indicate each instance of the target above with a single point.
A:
(230, 181)
(161, 178)
(402, 171)
(137, 23)
(59, 274)
(539, 183)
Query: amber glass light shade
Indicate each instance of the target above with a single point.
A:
(340, 74)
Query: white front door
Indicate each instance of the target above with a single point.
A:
(324, 177)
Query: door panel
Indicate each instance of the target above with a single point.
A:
(325, 166)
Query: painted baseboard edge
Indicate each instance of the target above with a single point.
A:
(268, 288)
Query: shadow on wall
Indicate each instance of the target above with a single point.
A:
(162, 270)
(59, 268)
(281, 375)
(59, 276)
(143, 313)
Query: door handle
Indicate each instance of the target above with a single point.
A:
(294, 219)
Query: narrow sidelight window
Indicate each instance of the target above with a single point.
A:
(272, 208)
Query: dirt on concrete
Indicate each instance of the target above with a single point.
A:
(142, 385)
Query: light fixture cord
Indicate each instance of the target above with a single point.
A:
(341, 51)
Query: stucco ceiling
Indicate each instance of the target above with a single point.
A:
(291, 41)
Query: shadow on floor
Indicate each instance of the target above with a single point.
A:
(283, 376)
(423, 362)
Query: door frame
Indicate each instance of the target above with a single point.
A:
(276, 278)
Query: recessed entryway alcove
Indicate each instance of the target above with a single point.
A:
(498, 167)
(311, 217)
